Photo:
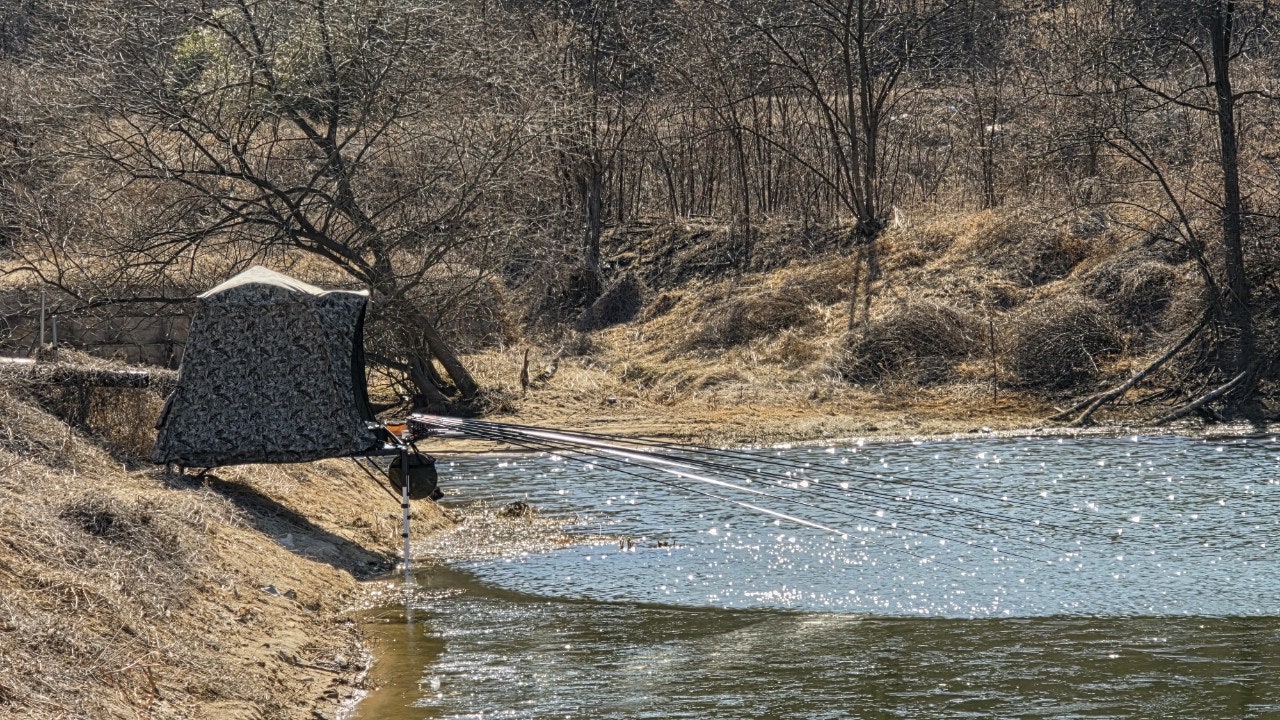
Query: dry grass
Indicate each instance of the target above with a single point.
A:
(918, 342)
(128, 594)
(1018, 247)
(1051, 291)
(1058, 343)
(620, 302)
(90, 567)
(731, 314)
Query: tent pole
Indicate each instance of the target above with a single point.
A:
(404, 506)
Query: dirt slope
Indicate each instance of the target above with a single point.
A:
(126, 593)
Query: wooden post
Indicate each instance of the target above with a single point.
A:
(991, 353)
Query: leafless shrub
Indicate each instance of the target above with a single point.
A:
(1055, 342)
(472, 313)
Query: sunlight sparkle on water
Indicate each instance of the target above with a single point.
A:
(1009, 561)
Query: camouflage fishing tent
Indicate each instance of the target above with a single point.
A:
(273, 372)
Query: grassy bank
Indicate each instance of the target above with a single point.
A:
(993, 319)
(126, 593)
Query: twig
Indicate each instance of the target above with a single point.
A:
(1204, 399)
(1097, 401)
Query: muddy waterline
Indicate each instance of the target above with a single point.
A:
(1153, 594)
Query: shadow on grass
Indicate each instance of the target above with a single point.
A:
(292, 530)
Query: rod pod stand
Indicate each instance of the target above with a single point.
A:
(404, 510)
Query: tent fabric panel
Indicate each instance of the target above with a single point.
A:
(268, 376)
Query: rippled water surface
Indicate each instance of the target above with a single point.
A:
(1116, 577)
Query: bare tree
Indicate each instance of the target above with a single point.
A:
(363, 135)
(1184, 63)
(848, 58)
(1166, 78)
(601, 76)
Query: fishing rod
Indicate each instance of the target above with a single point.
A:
(784, 483)
(555, 440)
(787, 482)
(569, 440)
(824, 469)
(621, 467)
(614, 464)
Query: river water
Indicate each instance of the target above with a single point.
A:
(995, 577)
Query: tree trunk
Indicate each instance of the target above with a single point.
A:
(1240, 346)
(452, 365)
(427, 381)
(594, 201)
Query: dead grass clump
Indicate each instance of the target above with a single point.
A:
(919, 342)
(1138, 290)
(1055, 342)
(122, 419)
(620, 302)
(1026, 252)
(726, 320)
(794, 349)
(662, 304)
(730, 316)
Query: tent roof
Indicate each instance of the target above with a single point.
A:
(258, 275)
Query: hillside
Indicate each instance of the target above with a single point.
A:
(980, 319)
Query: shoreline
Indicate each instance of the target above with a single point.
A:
(272, 565)
(380, 649)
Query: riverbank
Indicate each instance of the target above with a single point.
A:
(126, 592)
(231, 594)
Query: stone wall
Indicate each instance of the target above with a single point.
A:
(154, 335)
